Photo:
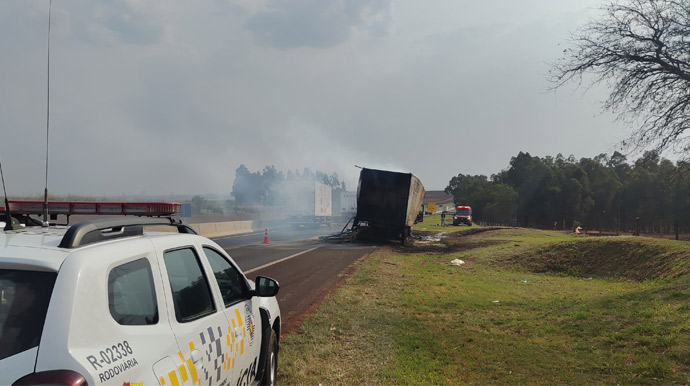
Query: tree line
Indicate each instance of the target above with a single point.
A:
(638, 49)
(264, 187)
(604, 192)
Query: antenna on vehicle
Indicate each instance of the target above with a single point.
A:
(45, 197)
(8, 215)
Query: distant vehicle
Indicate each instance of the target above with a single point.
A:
(345, 205)
(463, 215)
(309, 203)
(387, 204)
(105, 302)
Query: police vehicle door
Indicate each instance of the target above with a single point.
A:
(244, 330)
(196, 316)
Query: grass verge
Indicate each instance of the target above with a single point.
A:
(526, 308)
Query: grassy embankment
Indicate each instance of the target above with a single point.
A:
(528, 307)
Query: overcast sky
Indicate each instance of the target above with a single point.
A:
(172, 96)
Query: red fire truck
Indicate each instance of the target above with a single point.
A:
(463, 215)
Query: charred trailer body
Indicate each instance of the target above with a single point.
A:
(387, 204)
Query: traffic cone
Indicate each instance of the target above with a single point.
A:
(266, 236)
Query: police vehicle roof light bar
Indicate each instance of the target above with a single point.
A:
(90, 232)
(96, 208)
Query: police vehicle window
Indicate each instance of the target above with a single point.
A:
(191, 292)
(24, 297)
(231, 282)
(131, 294)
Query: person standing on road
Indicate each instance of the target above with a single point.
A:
(443, 218)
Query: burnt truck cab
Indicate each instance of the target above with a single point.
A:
(463, 215)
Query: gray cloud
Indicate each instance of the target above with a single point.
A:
(116, 22)
(317, 23)
(130, 28)
(171, 96)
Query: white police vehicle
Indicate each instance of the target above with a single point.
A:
(106, 303)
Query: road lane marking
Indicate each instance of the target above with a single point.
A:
(278, 261)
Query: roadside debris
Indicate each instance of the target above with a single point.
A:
(437, 237)
(457, 262)
(427, 241)
(345, 236)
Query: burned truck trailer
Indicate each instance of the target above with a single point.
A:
(387, 204)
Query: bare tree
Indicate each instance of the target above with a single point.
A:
(640, 49)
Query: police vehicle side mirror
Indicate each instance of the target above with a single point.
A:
(266, 287)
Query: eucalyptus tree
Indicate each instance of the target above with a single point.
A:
(639, 49)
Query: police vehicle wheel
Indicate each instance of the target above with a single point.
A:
(271, 369)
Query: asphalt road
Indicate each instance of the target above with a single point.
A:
(249, 251)
(282, 233)
(307, 269)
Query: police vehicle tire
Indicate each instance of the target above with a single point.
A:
(271, 370)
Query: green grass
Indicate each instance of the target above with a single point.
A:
(349, 340)
(526, 308)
